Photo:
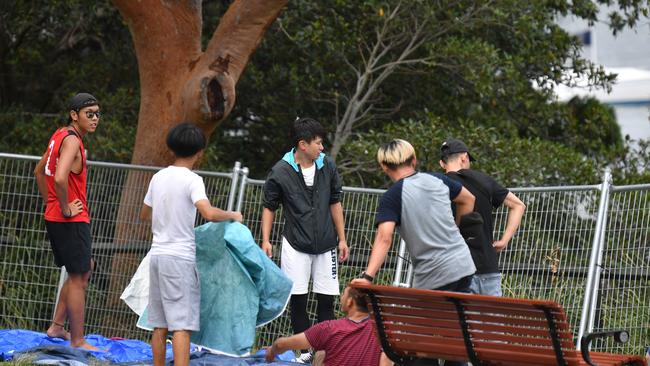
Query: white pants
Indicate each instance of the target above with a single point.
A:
(299, 267)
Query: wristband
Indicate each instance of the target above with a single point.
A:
(67, 216)
(366, 276)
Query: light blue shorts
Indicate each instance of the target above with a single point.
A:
(486, 284)
(174, 294)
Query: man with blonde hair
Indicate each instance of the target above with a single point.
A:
(420, 205)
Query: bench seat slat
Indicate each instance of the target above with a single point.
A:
(539, 339)
(484, 304)
(474, 319)
(425, 295)
(489, 321)
(541, 331)
(499, 316)
(611, 359)
(538, 346)
(504, 339)
(424, 330)
(456, 352)
(437, 304)
(523, 310)
(510, 310)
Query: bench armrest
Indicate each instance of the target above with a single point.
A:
(620, 336)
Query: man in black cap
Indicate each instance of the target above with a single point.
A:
(61, 179)
(455, 159)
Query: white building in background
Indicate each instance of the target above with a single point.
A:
(626, 54)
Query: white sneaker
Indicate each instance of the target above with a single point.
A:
(305, 358)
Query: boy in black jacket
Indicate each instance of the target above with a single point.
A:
(306, 183)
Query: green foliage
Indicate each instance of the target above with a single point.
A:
(23, 129)
(495, 68)
(513, 161)
(28, 133)
(634, 168)
(589, 117)
(50, 50)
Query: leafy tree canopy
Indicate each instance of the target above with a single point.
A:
(514, 161)
(491, 62)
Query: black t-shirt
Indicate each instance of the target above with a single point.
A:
(489, 195)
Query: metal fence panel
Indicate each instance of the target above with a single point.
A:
(548, 258)
(29, 281)
(28, 284)
(623, 298)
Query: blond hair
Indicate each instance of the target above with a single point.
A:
(396, 153)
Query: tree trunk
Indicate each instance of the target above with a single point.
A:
(178, 82)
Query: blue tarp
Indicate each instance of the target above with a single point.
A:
(41, 349)
(115, 350)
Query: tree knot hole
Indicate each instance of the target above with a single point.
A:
(216, 99)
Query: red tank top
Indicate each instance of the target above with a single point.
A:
(76, 182)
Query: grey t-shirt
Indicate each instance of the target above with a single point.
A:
(420, 205)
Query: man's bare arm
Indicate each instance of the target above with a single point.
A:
(39, 174)
(283, 344)
(516, 210)
(215, 214)
(145, 213)
(380, 247)
(267, 223)
(464, 204)
(67, 155)
(339, 224)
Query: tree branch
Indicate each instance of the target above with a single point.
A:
(239, 33)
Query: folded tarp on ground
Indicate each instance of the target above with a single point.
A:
(40, 349)
(116, 350)
(241, 288)
(208, 359)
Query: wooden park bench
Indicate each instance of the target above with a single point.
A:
(484, 330)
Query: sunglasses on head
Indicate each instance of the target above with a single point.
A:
(90, 114)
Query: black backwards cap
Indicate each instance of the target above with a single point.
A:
(81, 100)
(453, 146)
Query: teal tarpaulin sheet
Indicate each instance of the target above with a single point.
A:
(241, 288)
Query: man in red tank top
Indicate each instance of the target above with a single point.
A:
(61, 179)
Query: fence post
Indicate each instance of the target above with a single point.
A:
(63, 276)
(409, 275)
(242, 188)
(233, 186)
(401, 253)
(593, 277)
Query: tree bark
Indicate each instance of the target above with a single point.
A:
(180, 82)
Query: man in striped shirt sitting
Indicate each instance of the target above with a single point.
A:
(347, 341)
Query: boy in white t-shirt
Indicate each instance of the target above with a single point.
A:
(174, 195)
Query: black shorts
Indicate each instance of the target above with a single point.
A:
(70, 243)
